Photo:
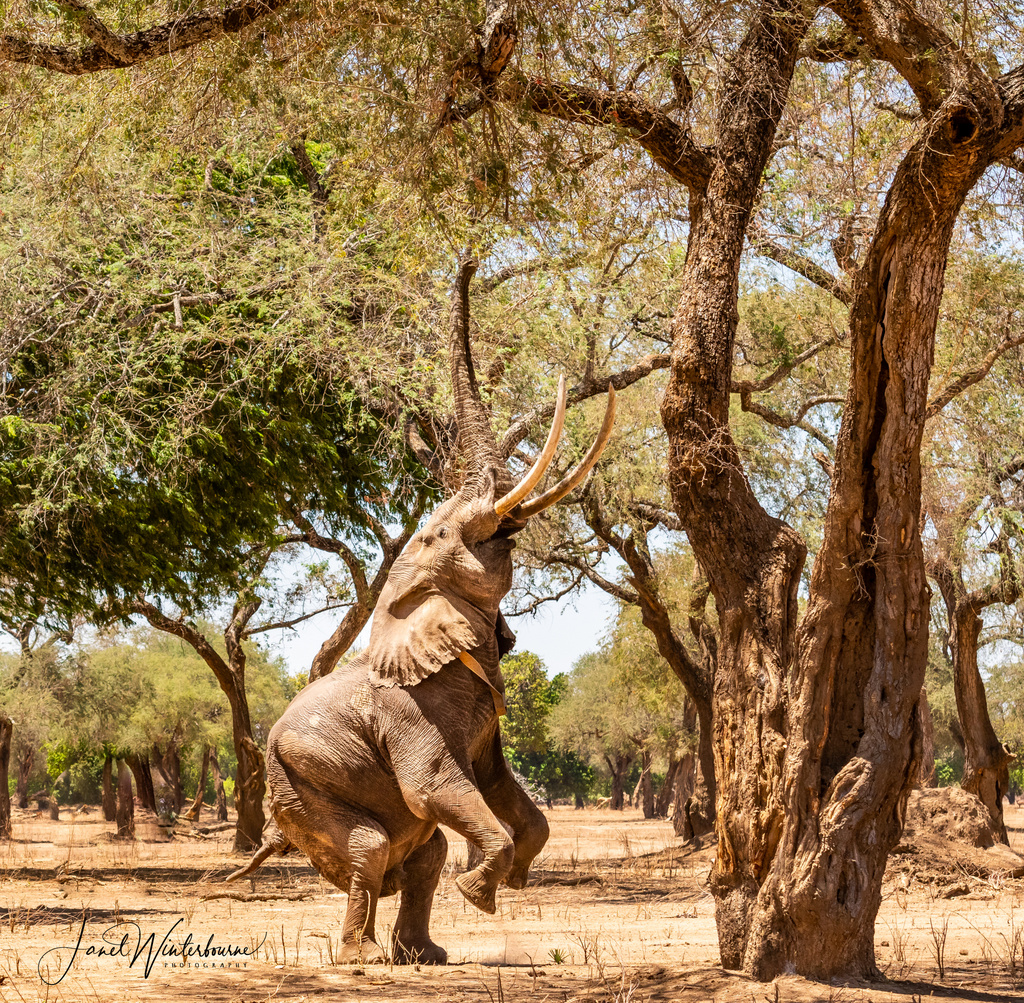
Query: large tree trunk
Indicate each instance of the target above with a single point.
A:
(646, 785)
(751, 560)
(664, 799)
(618, 766)
(197, 804)
(6, 730)
(139, 765)
(816, 731)
(986, 761)
(125, 810)
(854, 747)
(250, 782)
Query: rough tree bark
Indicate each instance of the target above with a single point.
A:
(125, 811)
(646, 785)
(816, 729)
(854, 743)
(6, 730)
(664, 800)
(25, 758)
(618, 766)
(221, 806)
(986, 760)
(141, 771)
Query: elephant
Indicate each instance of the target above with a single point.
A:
(368, 761)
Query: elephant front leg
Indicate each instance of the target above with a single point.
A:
(514, 807)
(437, 787)
(411, 942)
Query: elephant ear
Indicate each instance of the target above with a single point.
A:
(419, 634)
(506, 639)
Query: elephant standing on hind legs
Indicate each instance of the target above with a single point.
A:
(366, 762)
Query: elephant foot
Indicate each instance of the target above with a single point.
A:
(424, 953)
(362, 953)
(473, 885)
(517, 877)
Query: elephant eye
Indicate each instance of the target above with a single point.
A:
(442, 532)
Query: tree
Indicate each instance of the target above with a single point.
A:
(815, 716)
(529, 699)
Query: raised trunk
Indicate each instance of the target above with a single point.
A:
(6, 730)
(125, 811)
(197, 803)
(108, 796)
(221, 806)
(986, 761)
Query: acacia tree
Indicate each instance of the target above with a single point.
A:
(803, 833)
(815, 719)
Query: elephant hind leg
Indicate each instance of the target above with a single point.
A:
(351, 851)
(411, 942)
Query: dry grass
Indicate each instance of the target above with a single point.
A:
(617, 911)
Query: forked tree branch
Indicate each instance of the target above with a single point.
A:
(670, 145)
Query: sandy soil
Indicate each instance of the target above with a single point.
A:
(617, 911)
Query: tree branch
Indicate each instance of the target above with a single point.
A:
(518, 430)
(281, 624)
(670, 145)
(779, 420)
(533, 606)
(767, 382)
(112, 51)
(972, 376)
(800, 264)
(179, 302)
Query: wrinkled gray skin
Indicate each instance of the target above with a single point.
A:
(361, 774)
(366, 762)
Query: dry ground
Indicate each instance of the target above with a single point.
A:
(617, 910)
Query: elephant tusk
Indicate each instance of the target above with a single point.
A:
(570, 481)
(536, 472)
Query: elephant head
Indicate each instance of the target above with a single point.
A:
(442, 595)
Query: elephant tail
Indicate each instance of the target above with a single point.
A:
(274, 841)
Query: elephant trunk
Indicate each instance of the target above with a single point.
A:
(477, 443)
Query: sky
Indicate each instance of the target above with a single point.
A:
(559, 632)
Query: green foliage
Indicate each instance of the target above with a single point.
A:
(529, 698)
